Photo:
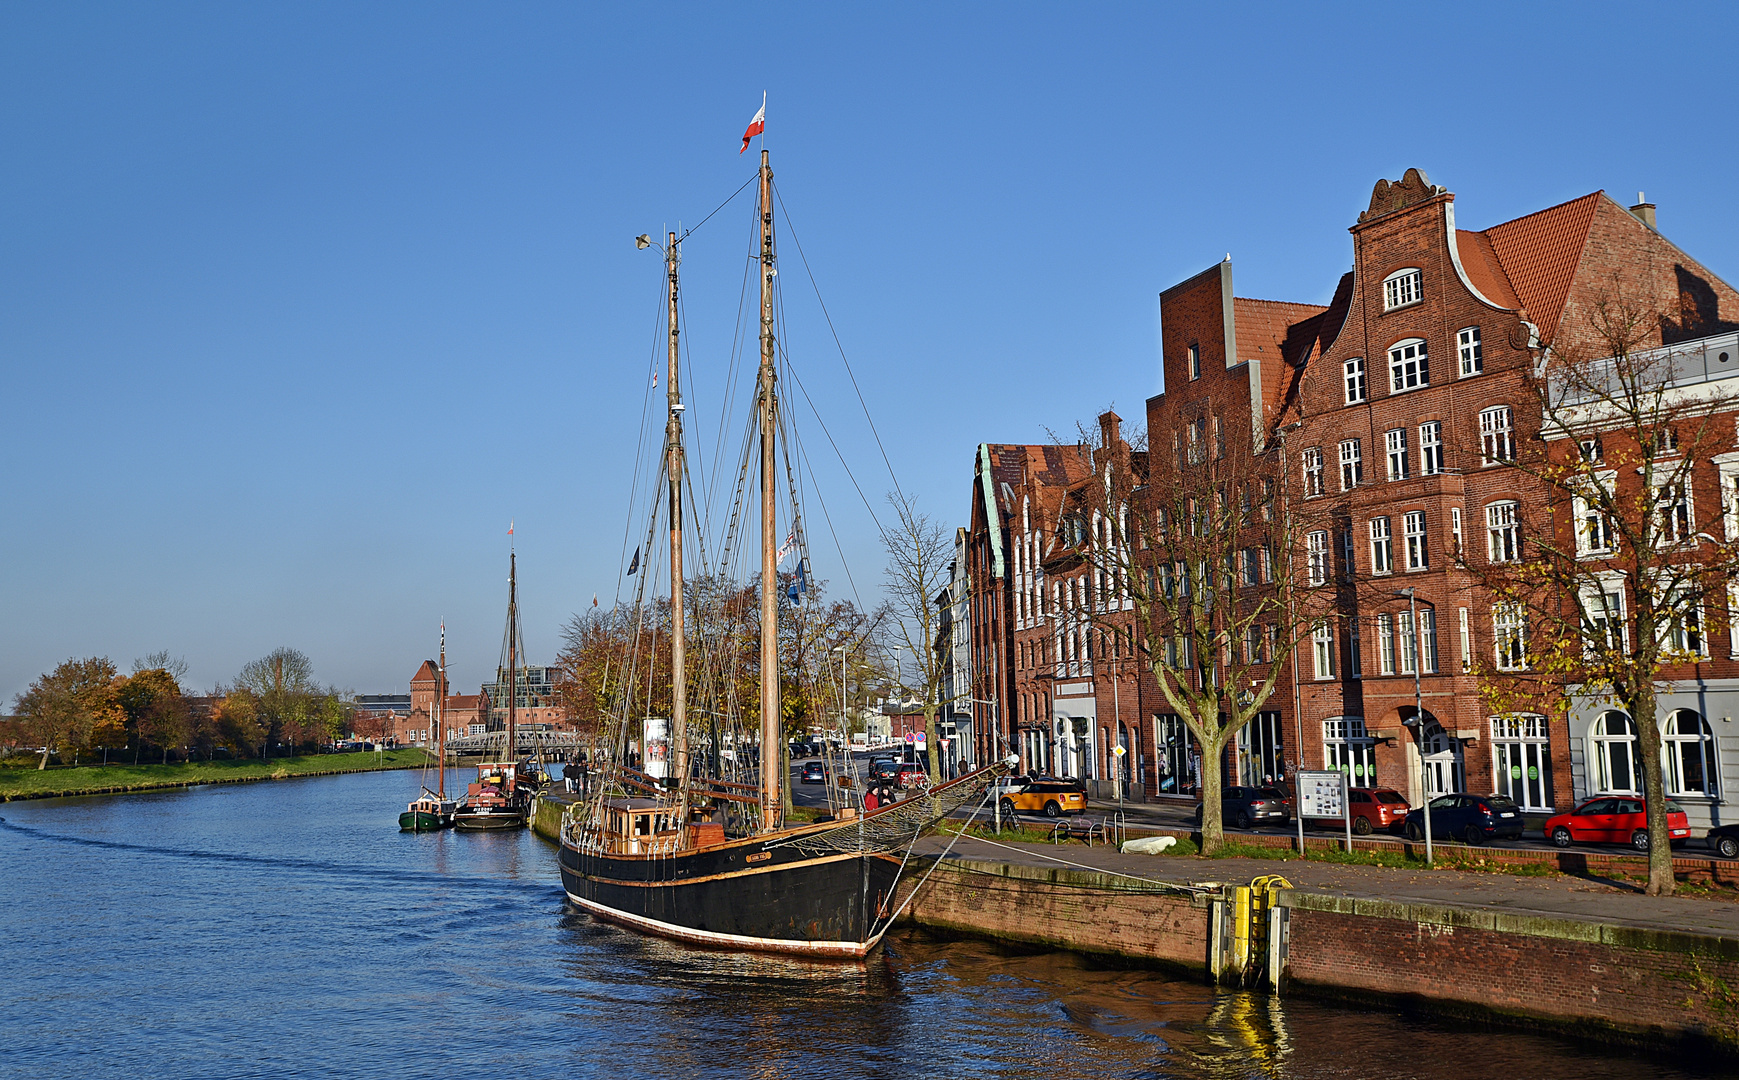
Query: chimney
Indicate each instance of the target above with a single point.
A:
(1110, 429)
(1644, 212)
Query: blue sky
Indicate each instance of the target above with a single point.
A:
(300, 304)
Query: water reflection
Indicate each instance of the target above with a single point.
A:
(289, 929)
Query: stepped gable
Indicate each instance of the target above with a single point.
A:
(1539, 254)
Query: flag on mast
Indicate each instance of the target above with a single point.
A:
(757, 125)
(633, 564)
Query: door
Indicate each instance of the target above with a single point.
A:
(1600, 817)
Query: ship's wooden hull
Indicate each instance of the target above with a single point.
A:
(756, 894)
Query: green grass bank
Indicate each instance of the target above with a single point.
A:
(30, 783)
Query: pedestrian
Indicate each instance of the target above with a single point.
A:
(870, 802)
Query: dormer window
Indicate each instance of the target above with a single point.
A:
(1401, 288)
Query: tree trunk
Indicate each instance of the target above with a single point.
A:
(43, 764)
(1213, 824)
(932, 748)
(1648, 740)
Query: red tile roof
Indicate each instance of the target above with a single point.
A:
(1480, 260)
(1262, 324)
(1539, 254)
(426, 673)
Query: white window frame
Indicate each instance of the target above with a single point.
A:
(1598, 614)
(1352, 464)
(1403, 288)
(1195, 362)
(1322, 649)
(1728, 466)
(1472, 357)
(1413, 532)
(1386, 643)
(1312, 462)
(1316, 556)
(1466, 640)
(1595, 535)
(1353, 372)
(1455, 529)
(1395, 453)
(1601, 743)
(1409, 365)
(1677, 521)
(1497, 436)
(1684, 630)
(1673, 747)
(1431, 448)
(1509, 625)
(1382, 546)
(1503, 531)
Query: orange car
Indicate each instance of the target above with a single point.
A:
(1043, 794)
(1372, 809)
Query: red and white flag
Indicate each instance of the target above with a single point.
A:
(757, 125)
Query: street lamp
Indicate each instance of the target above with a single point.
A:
(996, 723)
(1419, 712)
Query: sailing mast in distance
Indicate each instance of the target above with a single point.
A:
(512, 660)
(768, 402)
(441, 720)
(673, 467)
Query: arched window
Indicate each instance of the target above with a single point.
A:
(1443, 760)
(1401, 288)
(1617, 762)
(1689, 750)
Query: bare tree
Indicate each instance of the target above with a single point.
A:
(1609, 587)
(1191, 557)
(920, 552)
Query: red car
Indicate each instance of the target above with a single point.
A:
(912, 776)
(1609, 819)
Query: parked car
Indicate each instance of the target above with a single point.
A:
(1243, 807)
(1725, 840)
(813, 773)
(885, 771)
(1372, 809)
(1049, 795)
(1609, 820)
(1472, 819)
(911, 776)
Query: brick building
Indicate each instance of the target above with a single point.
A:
(1408, 414)
(1391, 417)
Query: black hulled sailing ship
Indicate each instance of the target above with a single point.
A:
(653, 852)
(502, 795)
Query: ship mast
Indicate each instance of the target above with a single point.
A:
(441, 720)
(512, 660)
(673, 468)
(768, 403)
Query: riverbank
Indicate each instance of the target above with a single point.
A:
(116, 779)
(1585, 955)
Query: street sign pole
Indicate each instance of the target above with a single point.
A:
(1346, 801)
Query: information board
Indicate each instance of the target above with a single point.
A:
(1321, 794)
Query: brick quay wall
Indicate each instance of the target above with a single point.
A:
(1623, 983)
(1586, 975)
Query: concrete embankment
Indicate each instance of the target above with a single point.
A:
(1488, 947)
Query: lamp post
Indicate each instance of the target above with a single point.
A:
(1419, 712)
(996, 723)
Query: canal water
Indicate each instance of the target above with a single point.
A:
(287, 929)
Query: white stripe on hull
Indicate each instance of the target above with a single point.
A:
(841, 950)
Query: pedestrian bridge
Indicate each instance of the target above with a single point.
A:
(526, 742)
